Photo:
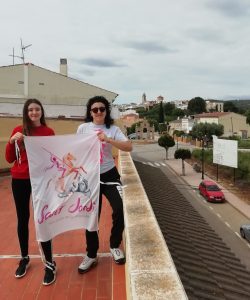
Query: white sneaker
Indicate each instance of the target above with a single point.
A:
(87, 264)
(118, 256)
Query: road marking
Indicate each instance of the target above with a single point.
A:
(211, 207)
(228, 225)
(154, 164)
(105, 254)
(238, 235)
(219, 215)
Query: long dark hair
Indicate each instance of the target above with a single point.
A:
(108, 120)
(27, 124)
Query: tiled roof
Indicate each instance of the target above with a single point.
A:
(206, 266)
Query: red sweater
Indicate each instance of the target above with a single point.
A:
(21, 171)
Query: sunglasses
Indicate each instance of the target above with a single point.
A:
(101, 109)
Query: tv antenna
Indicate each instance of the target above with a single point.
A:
(23, 48)
(13, 56)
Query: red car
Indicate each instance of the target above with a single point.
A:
(211, 191)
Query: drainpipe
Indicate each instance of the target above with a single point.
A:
(232, 126)
(26, 81)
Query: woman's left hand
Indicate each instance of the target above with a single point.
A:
(102, 137)
(121, 145)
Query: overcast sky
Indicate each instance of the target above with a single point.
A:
(179, 49)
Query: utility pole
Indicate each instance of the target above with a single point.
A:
(202, 159)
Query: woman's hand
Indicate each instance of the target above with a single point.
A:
(102, 137)
(121, 145)
(16, 137)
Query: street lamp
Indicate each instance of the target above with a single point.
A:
(204, 143)
(202, 159)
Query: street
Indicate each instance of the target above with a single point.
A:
(223, 218)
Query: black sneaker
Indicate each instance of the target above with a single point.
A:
(23, 266)
(50, 273)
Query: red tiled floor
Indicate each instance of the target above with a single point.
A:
(100, 283)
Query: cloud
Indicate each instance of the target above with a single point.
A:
(149, 47)
(230, 8)
(178, 49)
(101, 63)
(207, 35)
(236, 97)
(87, 72)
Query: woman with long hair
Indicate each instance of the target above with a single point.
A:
(34, 124)
(98, 119)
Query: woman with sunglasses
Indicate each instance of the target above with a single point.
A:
(98, 119)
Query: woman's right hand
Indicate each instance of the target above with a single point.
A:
(18, 136)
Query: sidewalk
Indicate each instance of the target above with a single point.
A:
(104, 282)
(193, 179)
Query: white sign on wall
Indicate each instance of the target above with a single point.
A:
(225, 152)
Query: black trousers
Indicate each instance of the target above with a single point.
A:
(21, 189)
(113, 194)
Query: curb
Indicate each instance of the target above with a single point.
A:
(242, 211)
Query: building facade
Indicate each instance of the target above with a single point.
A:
(234, 124)
(60, 94)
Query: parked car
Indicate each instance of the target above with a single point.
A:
(210, 190)
(245, 231)
(132, 136)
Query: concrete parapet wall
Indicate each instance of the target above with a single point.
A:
(60, 126)
(150, 271)
(3, 163)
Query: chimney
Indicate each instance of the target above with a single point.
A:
(63, 66)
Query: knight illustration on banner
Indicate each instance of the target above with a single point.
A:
(65, 167)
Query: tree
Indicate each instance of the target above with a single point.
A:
(132, 128)
(162, 127)
(247, 114)
(151, 115)
(182, 154)
(201, 130)
(153, 122)
(229, 106)
(168, 108)
(197, 105)
(161, 114)
(178, 132)
(177, 112)
(166, 141)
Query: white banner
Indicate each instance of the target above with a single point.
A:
(65, 179)
(225, 152)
